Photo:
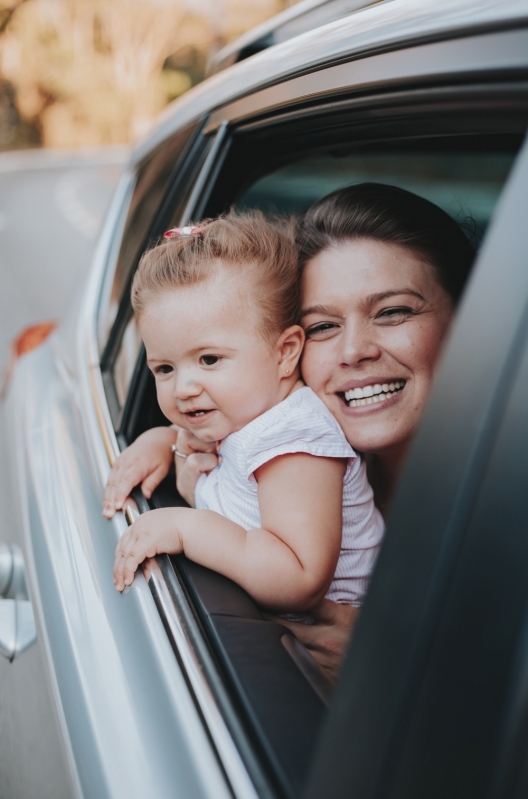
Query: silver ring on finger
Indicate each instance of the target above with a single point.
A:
(177, 452)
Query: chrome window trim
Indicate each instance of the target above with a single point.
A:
(503, 51)
(105, 449)
(228, 54)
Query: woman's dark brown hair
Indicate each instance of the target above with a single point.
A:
(394, 216)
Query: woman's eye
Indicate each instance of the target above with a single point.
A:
(395, 314)
(319, 330)
(209, 360)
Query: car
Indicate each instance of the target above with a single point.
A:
(181, 687)
(299, 18)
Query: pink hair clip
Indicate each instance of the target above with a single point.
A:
(184, 232)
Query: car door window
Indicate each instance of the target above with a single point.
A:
(151, 184)
(162, 185)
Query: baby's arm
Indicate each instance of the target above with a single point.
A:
(287, 564)
(146, 461)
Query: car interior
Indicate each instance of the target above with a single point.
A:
(453, 146)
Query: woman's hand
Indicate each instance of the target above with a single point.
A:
(146, 461)
(327, 640)
(151, 534)
(201, 457)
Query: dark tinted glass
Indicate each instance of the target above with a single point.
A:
(465, 184)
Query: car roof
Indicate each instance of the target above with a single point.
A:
(302, 17)
(383, 26)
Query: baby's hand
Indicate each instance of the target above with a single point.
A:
(151, 534)
(201, 457)
(146, 461)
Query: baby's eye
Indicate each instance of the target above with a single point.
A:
(163, 369)
(210, 360)
(321, 329)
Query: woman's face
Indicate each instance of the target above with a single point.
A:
(375, 317)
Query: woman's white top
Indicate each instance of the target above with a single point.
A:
(301, 423)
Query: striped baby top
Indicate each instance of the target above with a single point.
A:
(300, 423)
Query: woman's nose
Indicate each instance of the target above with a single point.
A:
(357, 344)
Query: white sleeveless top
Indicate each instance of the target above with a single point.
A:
(301, 423)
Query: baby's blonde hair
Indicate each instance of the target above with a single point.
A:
(239, 242)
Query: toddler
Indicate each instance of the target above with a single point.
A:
(287, 511)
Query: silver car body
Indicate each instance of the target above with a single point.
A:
(100, 707)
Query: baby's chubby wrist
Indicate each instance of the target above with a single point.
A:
(158, 440)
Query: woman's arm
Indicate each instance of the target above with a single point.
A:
(328, 638)
(287, 564)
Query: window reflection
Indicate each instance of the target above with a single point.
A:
(126, 360)
(464, 184)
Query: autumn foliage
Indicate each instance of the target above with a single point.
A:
(97, 72)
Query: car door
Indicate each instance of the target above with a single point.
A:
(432, 700)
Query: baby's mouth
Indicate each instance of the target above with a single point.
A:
(372, 394)
(199, 414)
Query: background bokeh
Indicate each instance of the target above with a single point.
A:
(89, 73)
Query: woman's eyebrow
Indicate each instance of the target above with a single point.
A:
(333, 310)
(325, 310)
(383, 295)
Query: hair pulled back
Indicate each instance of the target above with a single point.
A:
(394, 216)
(245, 243)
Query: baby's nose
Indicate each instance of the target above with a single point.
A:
(185, 386)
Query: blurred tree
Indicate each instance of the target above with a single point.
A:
(95, 72)
(14, 131)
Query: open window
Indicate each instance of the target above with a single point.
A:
(456, 148)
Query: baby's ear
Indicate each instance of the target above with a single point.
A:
(290, 345)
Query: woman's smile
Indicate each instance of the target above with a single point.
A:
(374, 394)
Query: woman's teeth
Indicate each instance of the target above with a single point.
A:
(372, 394)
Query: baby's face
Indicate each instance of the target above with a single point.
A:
(214, 370)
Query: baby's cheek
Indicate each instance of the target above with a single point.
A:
(168, 407)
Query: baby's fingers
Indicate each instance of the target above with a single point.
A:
(109, 494)
(119, 487)
(201, 462)
(188, 443)
(129, 554)
(188, 472)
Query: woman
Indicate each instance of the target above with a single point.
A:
(383, 270)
